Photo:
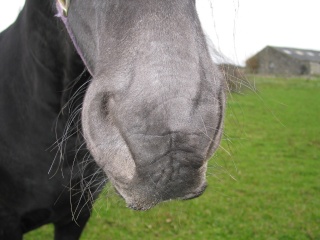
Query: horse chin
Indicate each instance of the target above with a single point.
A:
(141, 193)
(142, 203)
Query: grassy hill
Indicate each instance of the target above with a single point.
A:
(264, 182)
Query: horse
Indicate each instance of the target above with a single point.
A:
(103, 90)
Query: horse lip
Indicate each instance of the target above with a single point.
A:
(118, 193)
(140, 207)
(196, 193)
(136, 205)
(144, 207)
(144, 202)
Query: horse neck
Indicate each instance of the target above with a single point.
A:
(42, 38)
(49, 62)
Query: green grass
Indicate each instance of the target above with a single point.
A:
(266, 187)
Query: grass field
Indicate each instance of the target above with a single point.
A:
(264, 183)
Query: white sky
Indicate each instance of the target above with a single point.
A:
(240, 28)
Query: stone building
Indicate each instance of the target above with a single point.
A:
(285, 61)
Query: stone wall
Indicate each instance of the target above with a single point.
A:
(314, 68)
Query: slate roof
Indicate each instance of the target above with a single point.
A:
(301, 54)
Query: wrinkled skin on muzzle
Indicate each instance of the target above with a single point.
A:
(153, 113)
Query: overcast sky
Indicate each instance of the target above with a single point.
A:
(240, 28)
